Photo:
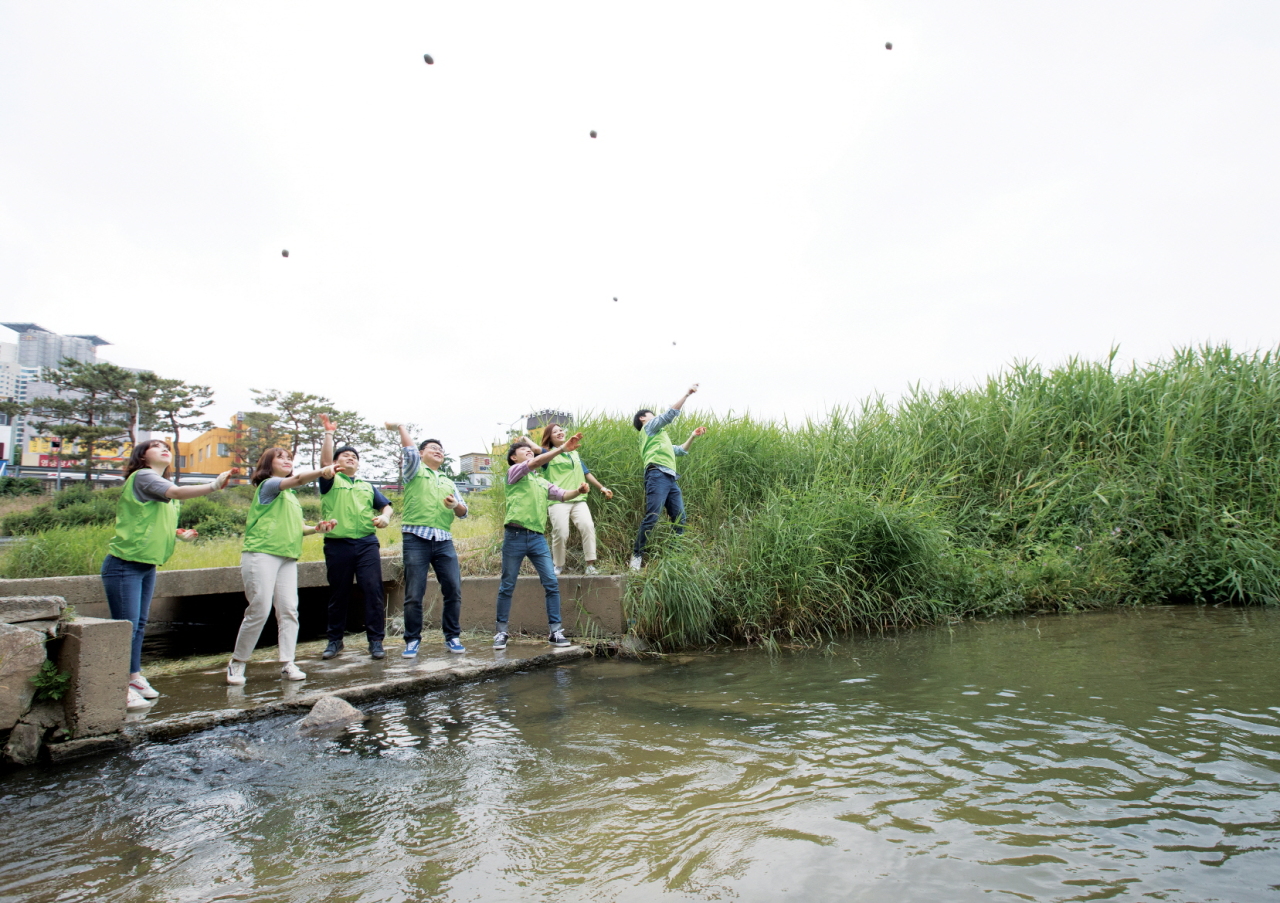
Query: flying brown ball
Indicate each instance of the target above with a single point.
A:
(426, 57)
(284, 253)
(593, 133)
(888, 45)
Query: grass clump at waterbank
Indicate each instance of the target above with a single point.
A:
(1077, 487)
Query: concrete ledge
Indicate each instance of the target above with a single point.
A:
(95, 652)
(401, 685)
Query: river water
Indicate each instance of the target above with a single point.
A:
(1129, 755)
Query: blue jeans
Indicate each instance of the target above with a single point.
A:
(517, 544)
(419, 556)
(129, 585)
(661, 490)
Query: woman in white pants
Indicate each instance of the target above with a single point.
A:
(567, 471)
(269, 562)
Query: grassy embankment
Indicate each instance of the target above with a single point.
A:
(1074, 488)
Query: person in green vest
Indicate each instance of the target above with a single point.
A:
(430, 505)
(567, 471)
(146, 532)
(351, 549)
(269, 562)
(522, 535)
(661, 482)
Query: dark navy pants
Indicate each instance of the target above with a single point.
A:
(361, 559)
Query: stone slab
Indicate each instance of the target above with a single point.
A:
(95, 652)
(21, 655)
(16, 609)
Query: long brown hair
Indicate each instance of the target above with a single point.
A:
(546, 434)
(263, 470)
(138, 457)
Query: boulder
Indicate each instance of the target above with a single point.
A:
(23, 747)
(330, 712)
(21, 655)
(15, 609)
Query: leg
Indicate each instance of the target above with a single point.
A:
(258, 571)
(655, 494)
(340, 568)
(445, 561)
(513, 549)
(540, 555)
(369, 577)
(128, 586)
(560, 513)
(286, 602)
(586, 529)
(675, 506)
(417, 557)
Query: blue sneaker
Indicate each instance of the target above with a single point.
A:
(453, 644)
(410, 649)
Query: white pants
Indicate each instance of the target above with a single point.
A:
(267, 579)
(580, 514)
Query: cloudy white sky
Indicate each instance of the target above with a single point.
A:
(809, 217)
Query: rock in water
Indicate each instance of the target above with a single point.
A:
(331, 711)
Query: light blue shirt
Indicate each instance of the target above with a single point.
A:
(659, 422)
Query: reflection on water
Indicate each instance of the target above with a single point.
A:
(1131, 755)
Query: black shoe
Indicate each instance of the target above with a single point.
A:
(375, 648)
(334, 647)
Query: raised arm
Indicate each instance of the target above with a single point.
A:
(571, 444)
(679, 405)
(694, 435)
(326, 447)
(191, 492)
(405, 439)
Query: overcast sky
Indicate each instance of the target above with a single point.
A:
(785, 210)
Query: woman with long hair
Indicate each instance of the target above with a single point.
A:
(146, 531)
(269, 562)
(567, 471)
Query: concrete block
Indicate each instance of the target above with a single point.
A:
(95, 652)
(21, 655)
(16, 609)
(589, 606)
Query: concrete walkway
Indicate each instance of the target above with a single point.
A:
(196, 699)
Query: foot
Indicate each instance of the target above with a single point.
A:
(557, 638)
(410, 649)
(290, 671)
(591, 570)
(375, 649)
(235, 673)
(559, 571)
(334, 647)
(453, 644)
(144, 689)
(134, 702)
(636, 561)
(500, 640)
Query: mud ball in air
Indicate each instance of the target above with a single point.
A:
(426, 58)
(888, 46)
(615, 300)
(593, 133)
(284, 253)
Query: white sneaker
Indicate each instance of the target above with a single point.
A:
(135, 702)
(591, 570)
(143, 689)
(235, 673)
(636, 561)
(290, 671)
(559, 571)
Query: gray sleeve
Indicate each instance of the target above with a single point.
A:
(269, 489)
(149, 486)
(410, 461)
(661, 421)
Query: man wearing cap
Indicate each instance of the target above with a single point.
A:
(351, 549)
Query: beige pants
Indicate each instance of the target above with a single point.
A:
(580, 514)
(268, 579)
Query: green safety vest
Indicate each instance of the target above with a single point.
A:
(146, 532)
(657, 449)
(565, 470)
(424, 499)
(276, 528)
(350, 503)
(527, 503)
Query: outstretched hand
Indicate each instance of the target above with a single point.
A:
(699, 431)
(450, 502)
(326, 525)
(327, 424)
(584, 488)
(381, 521)
(572, 443)
(223, 478)
(329, 472)
(188, 535)
(692, 389)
